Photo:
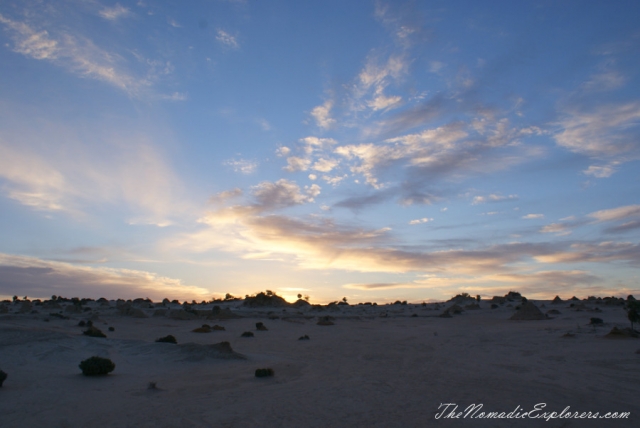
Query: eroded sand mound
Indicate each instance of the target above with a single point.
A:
(529, 311)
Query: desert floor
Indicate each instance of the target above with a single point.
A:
(377, 366)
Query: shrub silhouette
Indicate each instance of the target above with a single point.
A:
(94, 332)
(206, 328)
(167, 339)
(247, 334)
(264, 372)
(112, 329)
(261, 327)
(305, 337)
(596, 321)
(97, 366)
(633, 311)
(3, 377)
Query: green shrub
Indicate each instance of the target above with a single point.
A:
(97, 366)
(167, 339)
(3, 377)
(264, 372)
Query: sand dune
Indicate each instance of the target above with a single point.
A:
(376, 366)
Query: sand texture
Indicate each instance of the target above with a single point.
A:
(376, 366)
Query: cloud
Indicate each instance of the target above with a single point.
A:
(325, 165)
(322, 115)
(77, 54)
(608, 132)
(560, 229)
(223, 197)
(124, 169)
(420, 221)
(600, 252)
(533, 216)
(493, 198)
(243, 166)
(295, 163)
(41, 278)
(281, 194)
(616, 214)
(601, 171)
(115, 12)
(227, 39)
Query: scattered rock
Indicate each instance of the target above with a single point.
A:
(112, 329)
(264, 372)
(93, 332)
(305, 337)
(247, 334)
(218, 327)
(167, 339)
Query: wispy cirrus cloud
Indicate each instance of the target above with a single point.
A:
(128, 171)
(609, 134)
(227, 40)
(244, 166)
(115, 12)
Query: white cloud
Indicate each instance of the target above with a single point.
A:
(533, 216)
(420, 221)
(77, 54)
(312, 177)
(325, 165)
(283, 151)
(322, 115)
(227, 39)
(115, 12)
(243, 166)
(559, 229)
(295, 163)
(616, 214)
(607, 132)
(601, 171)
(493, 198)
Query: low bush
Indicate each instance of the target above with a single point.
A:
(167, 339)
(3, 377)
(264, 372)
(93, 332)
(97, 366)
(261, 327)
(305, 337)
(247, 334)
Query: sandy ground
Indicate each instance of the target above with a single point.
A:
(367, 370)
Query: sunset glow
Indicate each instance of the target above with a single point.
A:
(363, 149)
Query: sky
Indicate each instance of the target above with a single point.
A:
(374, 150)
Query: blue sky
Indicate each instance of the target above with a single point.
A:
(368, 149)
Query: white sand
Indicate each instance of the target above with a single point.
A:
(364, 371)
